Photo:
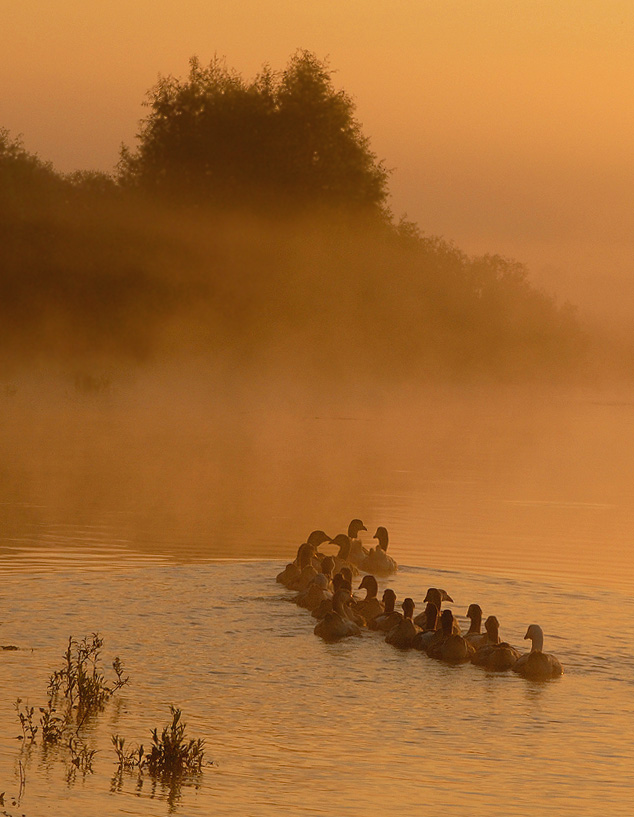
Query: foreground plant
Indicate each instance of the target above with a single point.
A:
(81, 681)
(75, 691)
(171, 753)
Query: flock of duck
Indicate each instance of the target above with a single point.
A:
(324, 587)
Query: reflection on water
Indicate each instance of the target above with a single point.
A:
(118, 516)
(491, 481)
(298, 726)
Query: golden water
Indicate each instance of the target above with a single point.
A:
(163, 526)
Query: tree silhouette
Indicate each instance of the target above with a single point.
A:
(282, 140)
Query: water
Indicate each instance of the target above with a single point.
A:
(164, 532)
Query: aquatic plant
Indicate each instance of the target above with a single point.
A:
(75, 691)
(171, 753)
(25, 715)
(80, 755)
(81, 680)
(128, 758)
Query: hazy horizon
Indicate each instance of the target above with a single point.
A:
(508, 128)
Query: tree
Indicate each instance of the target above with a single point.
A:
(284, 139)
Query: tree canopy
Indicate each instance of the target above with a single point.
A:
(284, 139)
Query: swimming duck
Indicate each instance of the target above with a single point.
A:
(451, 648)
(315, 593)
(494, 655)
(336, 625)
(328, 566)
(474, 634)
(342, 540)
(423, 640)
(377, 561)
(369, 607)
(311, 545)
(389, 617)
(536, 664)
(317, 538)
(436, 596)
(325, 606)
(357, 552)
(402, 634)
(288, 575)
(307, 574)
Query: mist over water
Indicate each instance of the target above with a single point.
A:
(495, 479)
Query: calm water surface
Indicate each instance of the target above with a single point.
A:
(164, 532)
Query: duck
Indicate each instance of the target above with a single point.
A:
(288, 575)
(369, 607)
(403, 633)
(315, 593)
(450, 647)
(357, 552)
(536, 664)
(317, 538)
(347, 607)
(436, 596)
(474, 635)
(389, 617)
(423, 640)
(312, 544)
(377, 561)
(326, 605)
(336, 625)
(494, 655)
(328, 567)
(342, 540)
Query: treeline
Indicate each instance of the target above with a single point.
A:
(251, 226)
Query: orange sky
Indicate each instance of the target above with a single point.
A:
(509, 123)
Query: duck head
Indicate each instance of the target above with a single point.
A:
(408, 607)
(431, 616)
(318, 537)
(347, 575)
(354, 527)
(492, 626)
(446, 622)
(389, 600)
(304, 554)
(342, 541)
(536, 635)
(381, 535)
(475, 614)
(434, 596)
(370, 584)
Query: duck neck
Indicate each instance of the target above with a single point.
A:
(537, 642)
(494, 634)
(476, 623)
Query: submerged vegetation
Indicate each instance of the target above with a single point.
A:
(250, 227)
